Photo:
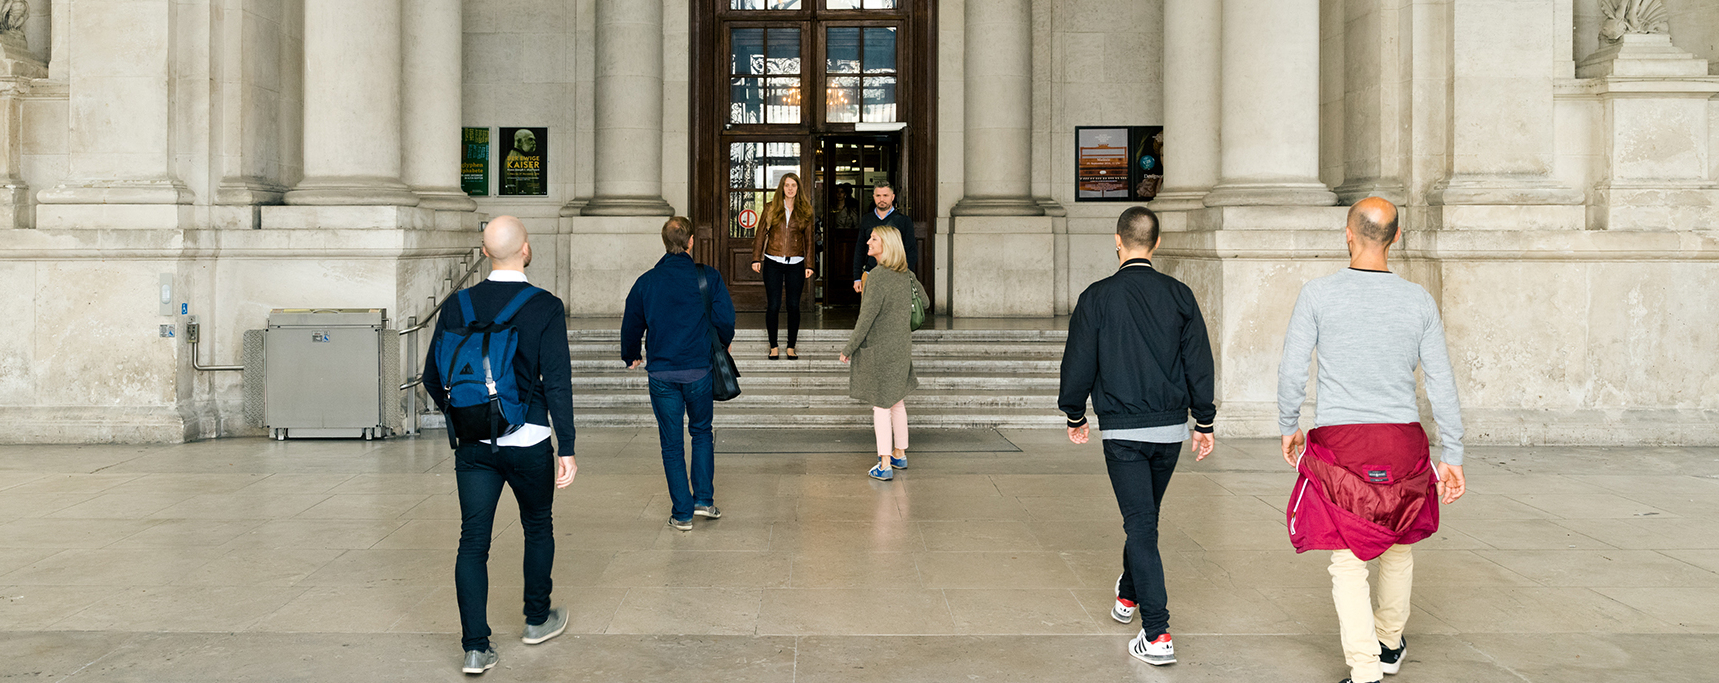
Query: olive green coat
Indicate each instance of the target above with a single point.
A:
(881, 346)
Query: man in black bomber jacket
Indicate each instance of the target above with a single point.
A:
(1137, 345)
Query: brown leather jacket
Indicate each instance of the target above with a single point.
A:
(796, 240)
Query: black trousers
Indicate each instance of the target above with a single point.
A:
(1139, 473)
(779, 277)
(530, 472)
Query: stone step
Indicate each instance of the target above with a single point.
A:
(1025, 383)
(835, 399)
(841, 336)
(808, 366)
(727, 416)
(809, 350)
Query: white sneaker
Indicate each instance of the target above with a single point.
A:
(1123, 612)
(1157, 653)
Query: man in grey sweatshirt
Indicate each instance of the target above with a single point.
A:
(1371, 329)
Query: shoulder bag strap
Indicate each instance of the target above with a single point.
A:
(704, 291)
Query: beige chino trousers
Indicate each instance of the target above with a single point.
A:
(1363, 627)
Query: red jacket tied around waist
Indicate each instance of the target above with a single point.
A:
(1363, 488)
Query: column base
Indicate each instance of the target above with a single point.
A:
(1502, 190)
(1003, 266)
(1665, 206)
(444, 199)
(248, 191)
(997, 206)
(1388, 189)
(1188, 199)
(162, 191)
(351, 191)
(14, 204)
(361, 217)
(626, 206)
(1271, 194)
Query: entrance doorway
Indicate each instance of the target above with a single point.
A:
(838, 92)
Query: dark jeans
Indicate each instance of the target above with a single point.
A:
(1139, 473)
(779, 277)
(677, 404)
(530, 472)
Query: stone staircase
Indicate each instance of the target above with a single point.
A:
(968, 378)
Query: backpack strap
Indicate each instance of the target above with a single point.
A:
(465, 298)
(518, 302)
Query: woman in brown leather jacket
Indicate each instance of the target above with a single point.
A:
(782, 251)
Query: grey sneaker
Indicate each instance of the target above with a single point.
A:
(479, 661)
(707, 511)
(550, 628)
(683, 525)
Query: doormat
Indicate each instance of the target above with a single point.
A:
(845, 440)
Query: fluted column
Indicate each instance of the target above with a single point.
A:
(1270, 110)
(998, 147)
(1192, 101)
(628, 117)
(431, 135)
(352, 105)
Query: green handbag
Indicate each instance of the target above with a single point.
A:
(919, 305)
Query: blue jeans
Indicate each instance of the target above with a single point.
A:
(530, 472)
(1139, 474)
(676, 404)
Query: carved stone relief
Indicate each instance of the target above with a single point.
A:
(1623, 17)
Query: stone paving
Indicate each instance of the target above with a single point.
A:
(246, 559)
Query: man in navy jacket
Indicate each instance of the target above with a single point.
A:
(666, 310)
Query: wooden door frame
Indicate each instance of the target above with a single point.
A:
(707, 116)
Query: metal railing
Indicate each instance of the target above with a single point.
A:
(415, 377)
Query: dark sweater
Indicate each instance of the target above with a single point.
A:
(1137, 345)
(541, 362)
(896, 219)
(666, 302)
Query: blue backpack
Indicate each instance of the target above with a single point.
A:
(484, 398)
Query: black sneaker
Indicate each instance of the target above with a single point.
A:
(1348, 680)
(1391, 661)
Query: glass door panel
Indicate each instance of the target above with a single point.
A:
(860, 74)
(764, 76)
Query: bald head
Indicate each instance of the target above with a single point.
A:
(504, 241)
(1374, 220)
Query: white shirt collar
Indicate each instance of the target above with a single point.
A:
(506, 276)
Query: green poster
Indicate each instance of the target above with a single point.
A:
(474, 168)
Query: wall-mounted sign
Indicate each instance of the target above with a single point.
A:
(1118, 163)
(474, 167)
(525, 167)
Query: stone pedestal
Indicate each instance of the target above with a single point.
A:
(604, 256)
(1003, 266)
(1657, 147)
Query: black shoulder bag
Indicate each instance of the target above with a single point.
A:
(724, 376)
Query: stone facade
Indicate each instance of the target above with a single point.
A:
(1560, 180)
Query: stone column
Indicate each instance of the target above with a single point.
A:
(120, 161)
(1375, 150)
(998, 147)
(352, 105)
(1192, 101)
(1502, 123)
(629, 110)
(431, 131)
(1270, 121)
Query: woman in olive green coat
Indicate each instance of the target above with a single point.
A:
(881, 349)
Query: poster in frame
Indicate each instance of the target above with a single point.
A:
(1118, 163)
(525, 167)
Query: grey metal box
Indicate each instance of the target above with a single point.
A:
(326, 373)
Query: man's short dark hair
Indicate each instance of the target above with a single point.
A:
(881, 184)
(1365, 220)
(1138, 228)
(676, 232)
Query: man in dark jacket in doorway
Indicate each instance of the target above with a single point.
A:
(1137, 346)
(883, 213)
(666, 310)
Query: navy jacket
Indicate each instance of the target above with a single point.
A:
(665, 302)
(541, 363)
(1137, 345)
(863, 263)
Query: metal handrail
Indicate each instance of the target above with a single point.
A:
(410, 334)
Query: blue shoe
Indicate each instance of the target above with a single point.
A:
(879, 473)
(898, 463)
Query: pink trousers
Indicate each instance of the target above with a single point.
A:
(890, 422)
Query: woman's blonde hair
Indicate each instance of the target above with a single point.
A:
(894, 256)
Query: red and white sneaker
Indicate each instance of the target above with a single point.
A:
(1123, 612)
(1157, 653)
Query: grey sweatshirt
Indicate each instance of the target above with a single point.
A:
(1371, 330)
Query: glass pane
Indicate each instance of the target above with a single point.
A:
(738, 204)
(842, 50)
(880, 4)
(743, 163)
(842, 99)
(879, 50)
(784, 104)
(779, 158)
(747, 45)
(784, 51)
(879, 99)
(746, 100)
(763, 4)
(754, 169)
(841, 4)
